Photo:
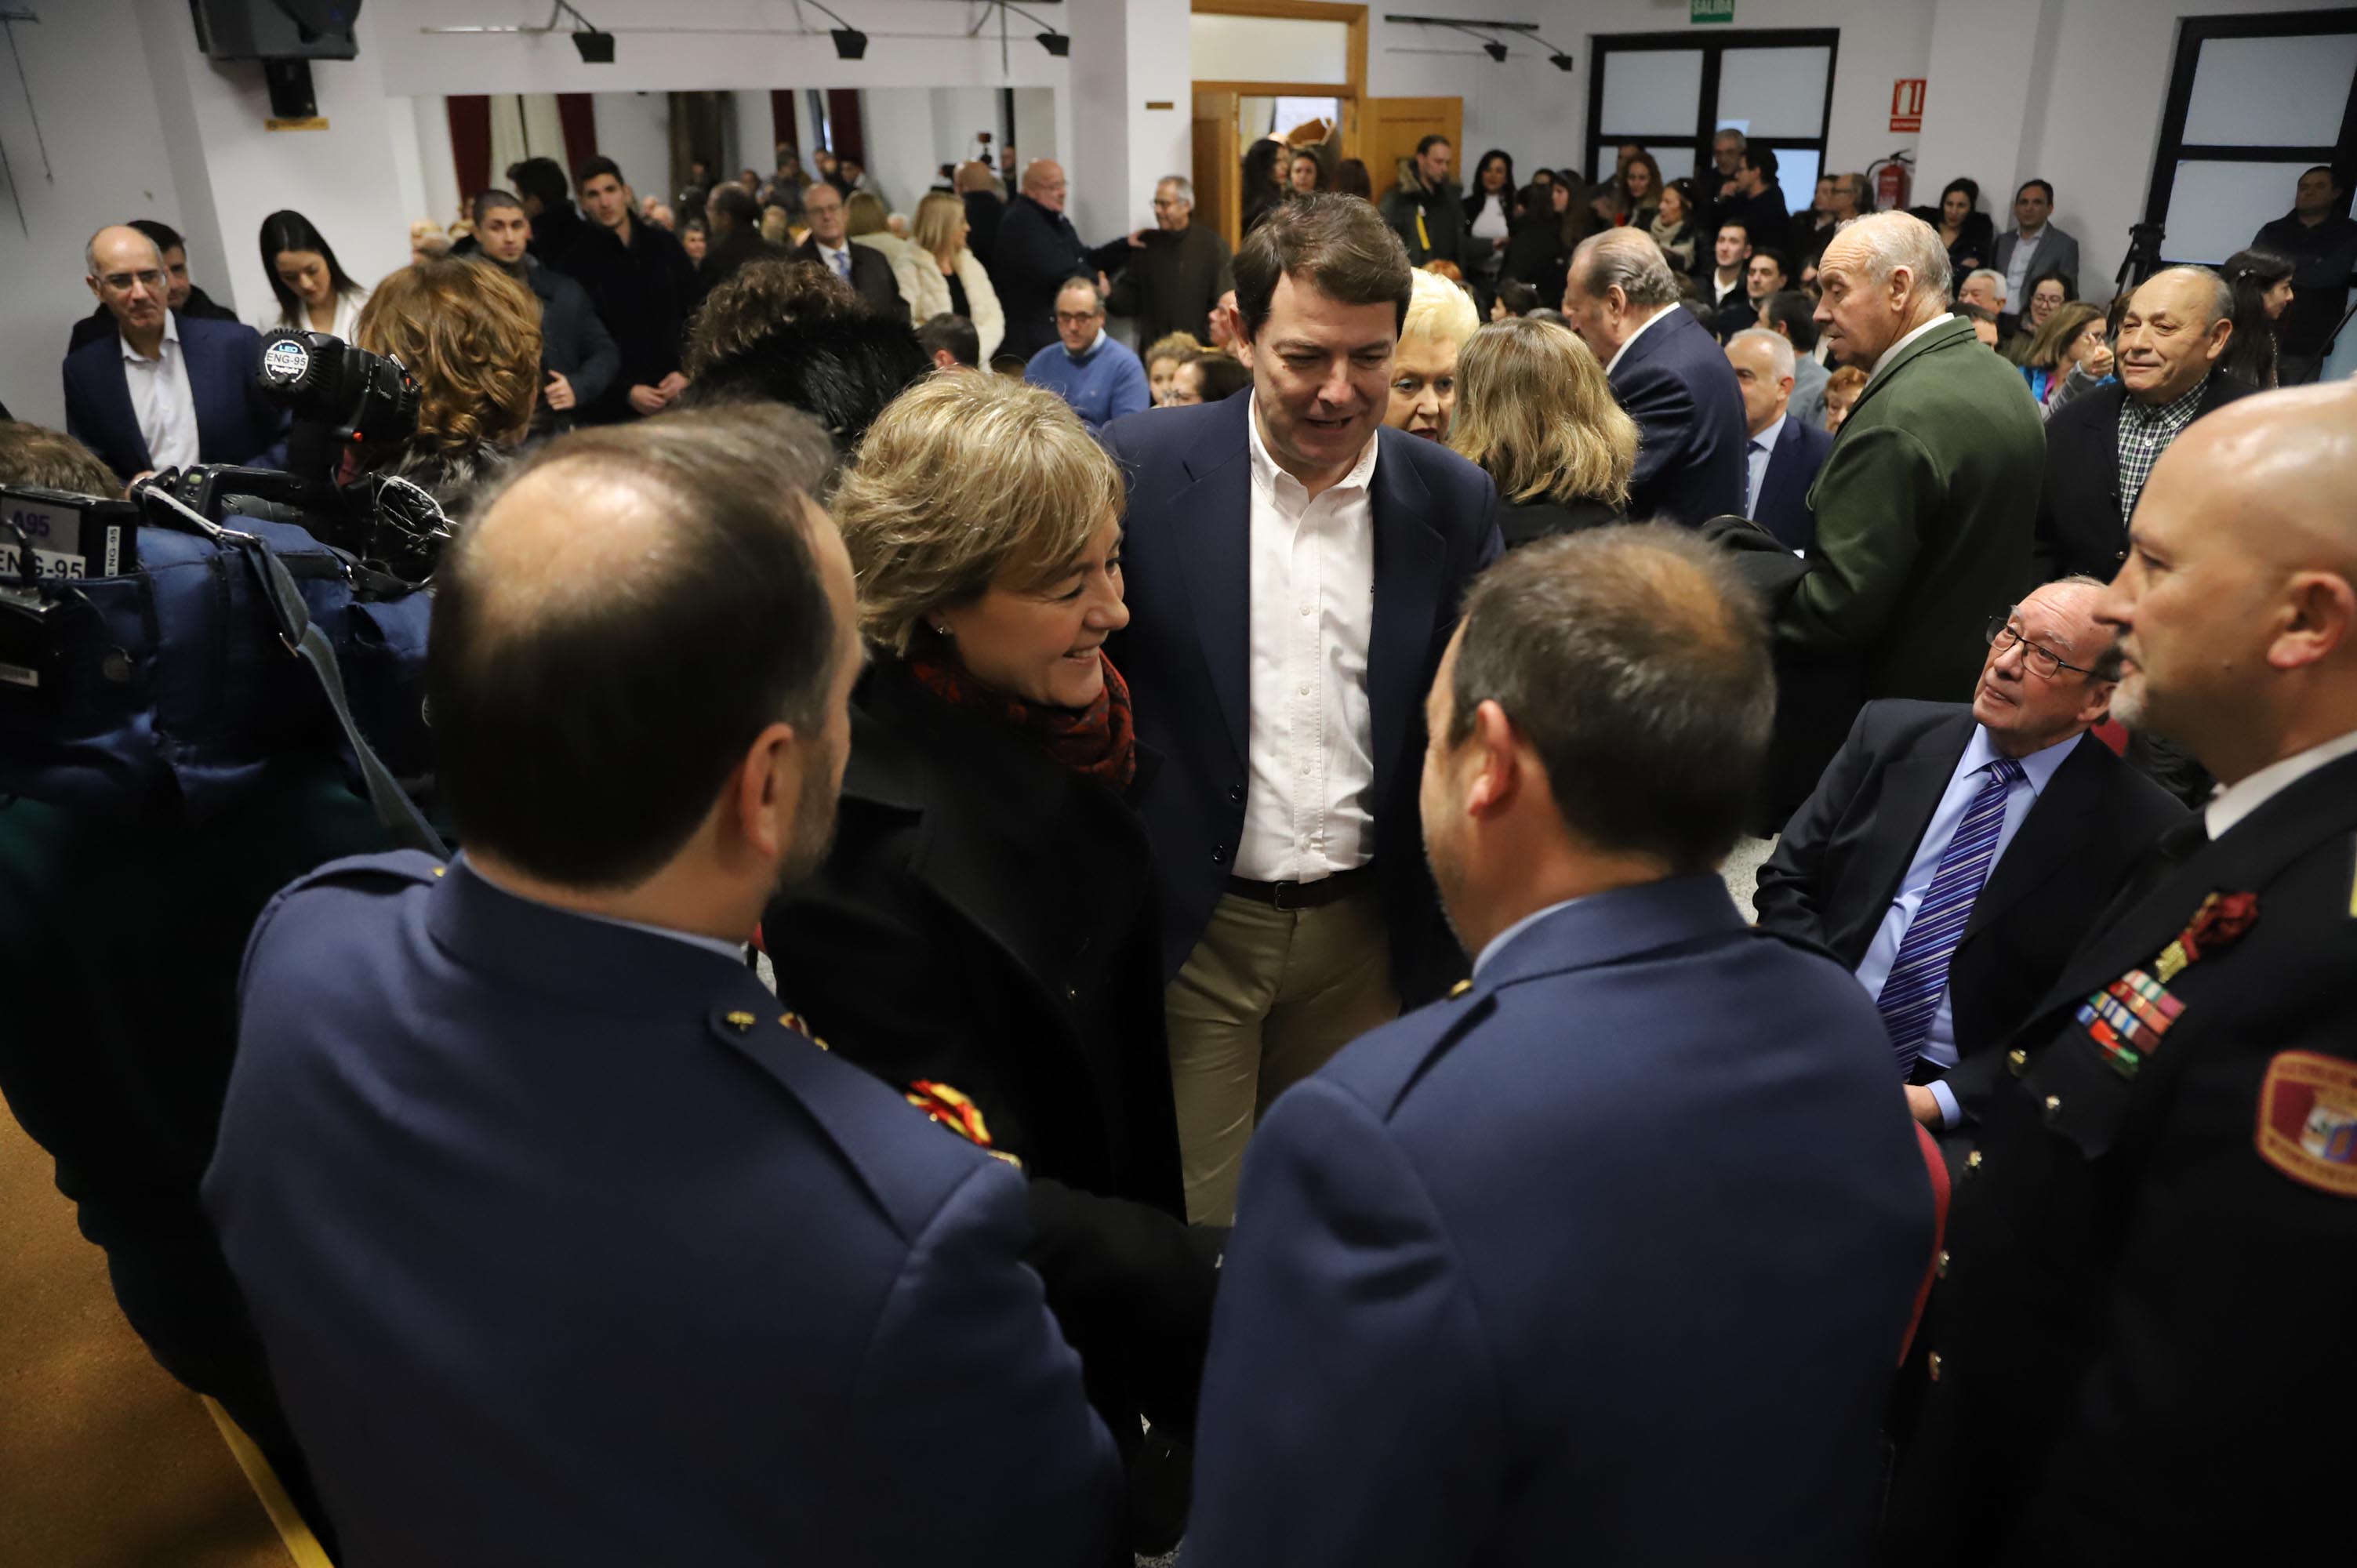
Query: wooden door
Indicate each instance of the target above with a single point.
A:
(1219, 173)
(1389, 129)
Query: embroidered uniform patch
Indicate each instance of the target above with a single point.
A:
(2308, 1120)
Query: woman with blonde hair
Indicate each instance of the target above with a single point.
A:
(1535, 413)
(865, 222)
(1163, 357)
(983, 934)
(1440, 319)
(937, 273)
(2071, 333)
(470, 335)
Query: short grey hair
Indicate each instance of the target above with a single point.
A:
(1742, 141)
(1626, 259)
(90, 249)
(2003, 290)
(1780, 348)
(1180, 186)
(1896, 240)
(2109, 657)
(1080, 280)
(2222, 293)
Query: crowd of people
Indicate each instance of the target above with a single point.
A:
(1260, 1046)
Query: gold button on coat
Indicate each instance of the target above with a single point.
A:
(2016, 1059)
(1932, 1364)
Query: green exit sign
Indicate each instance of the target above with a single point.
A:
(1714, 10)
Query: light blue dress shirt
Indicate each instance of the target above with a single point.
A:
(2037, 767)
(1498, 943)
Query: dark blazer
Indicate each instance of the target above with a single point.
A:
(1976, 242)
(1676, 384)
(574, 343)
(1443, 236)
(99, 322)
(566, 1248)
(1782, 508)
(2058, 257)
(1534, 1394)
(644, 293)
(1925, 507)
(984, 213)
(1186, 559)
(2080, 527)
(1527, 522)
(871, 276)
(235, 424)
(1841, 858)
(1037, 253)
(2147, 1259)
(1024, 895)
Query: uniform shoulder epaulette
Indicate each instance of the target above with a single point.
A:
(959, 1113)
(399, 867)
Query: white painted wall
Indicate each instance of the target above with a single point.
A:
(2092, 121)
(634, 130)
(104, 169)
(900, 131)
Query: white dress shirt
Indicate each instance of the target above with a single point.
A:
(2038, 769)
(162, 399)
(837, 258)
(1310, 741)
(2235, 801)
(347, 325)
(1642, 328)
(1762, 450)
(2017, 272)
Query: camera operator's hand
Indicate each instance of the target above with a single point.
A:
(558, 392)
(647, 399)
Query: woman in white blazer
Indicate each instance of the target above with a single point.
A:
(314, 292)
(942, 275)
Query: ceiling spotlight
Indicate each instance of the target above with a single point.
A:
(1561, 63)
(1495, 50)
(595, 48)
(1056, 44)
(850, 43)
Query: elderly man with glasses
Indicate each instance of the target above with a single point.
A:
(1954, 854)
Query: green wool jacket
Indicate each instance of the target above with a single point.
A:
(1925, 508)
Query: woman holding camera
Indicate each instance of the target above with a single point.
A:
(470, 335)
(982, 934)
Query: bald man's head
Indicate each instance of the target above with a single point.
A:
(125, 270)
(2237, 604)
(625, 616)
(1043, 182)
(2177, 324)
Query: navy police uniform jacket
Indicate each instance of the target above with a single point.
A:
(2133, 1350)
(566, 1247)
(1609, 1258)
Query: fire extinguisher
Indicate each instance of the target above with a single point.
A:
(1893, 177)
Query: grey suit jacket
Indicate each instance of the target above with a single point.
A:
(2057, 257)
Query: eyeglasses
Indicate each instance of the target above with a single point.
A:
(119, 281)
(1076, 317)
(2042, 662)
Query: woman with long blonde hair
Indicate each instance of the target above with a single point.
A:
(937, 273)
(1535, 411)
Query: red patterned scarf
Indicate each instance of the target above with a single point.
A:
(1099, 741)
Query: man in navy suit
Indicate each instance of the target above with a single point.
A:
(1781, 453)
(1668, 372)
(1610, 1256)
(1293, 570)
(566, 1243)
(164, 390)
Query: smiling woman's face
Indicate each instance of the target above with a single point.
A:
(1041, 642)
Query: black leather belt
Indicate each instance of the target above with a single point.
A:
(1304, 895)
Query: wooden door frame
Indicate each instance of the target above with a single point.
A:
(1350, 91)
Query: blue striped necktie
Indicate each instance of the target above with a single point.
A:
(1918, 976)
